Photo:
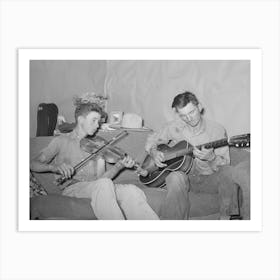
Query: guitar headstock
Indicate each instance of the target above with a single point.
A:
(240, 141)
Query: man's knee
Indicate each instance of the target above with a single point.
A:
(131, 191)
(177, 181)
(103, 185)
(226, 173)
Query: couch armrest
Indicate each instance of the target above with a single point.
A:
(238, 155)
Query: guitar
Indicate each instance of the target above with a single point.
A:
(180, 157)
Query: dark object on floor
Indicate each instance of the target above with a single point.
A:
(235, 217)
(46, 119)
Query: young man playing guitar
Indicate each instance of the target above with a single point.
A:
(109, 201)
(208, 172)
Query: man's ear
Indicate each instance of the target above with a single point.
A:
(200, 108)
(80, 119)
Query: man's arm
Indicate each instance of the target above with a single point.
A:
(127, 162)
(221, 154)
(160, 137)
(214, 157)
(113, 172)
(41, 164)
(221, 158)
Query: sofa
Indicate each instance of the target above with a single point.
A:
(203, 206)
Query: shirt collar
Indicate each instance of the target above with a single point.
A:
(74, 135)
(185, 126)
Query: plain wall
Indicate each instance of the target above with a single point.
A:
(146, 88)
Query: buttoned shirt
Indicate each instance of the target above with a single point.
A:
(177, 130)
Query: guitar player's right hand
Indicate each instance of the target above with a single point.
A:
(158, 158)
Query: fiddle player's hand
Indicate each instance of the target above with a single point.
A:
(204, 154)
(64, 169)
(127, 162)
(158, 158)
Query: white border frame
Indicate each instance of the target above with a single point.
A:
(24, 57)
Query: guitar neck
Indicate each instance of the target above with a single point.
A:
(214, 144)
(189, 150)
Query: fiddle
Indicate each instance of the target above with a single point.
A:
(111, 154)
(62, 179)
(99, 146)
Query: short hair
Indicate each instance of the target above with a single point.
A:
(84, 109)
(182, 99)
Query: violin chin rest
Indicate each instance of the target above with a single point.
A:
(111, 160)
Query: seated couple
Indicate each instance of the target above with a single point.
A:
(210, 172)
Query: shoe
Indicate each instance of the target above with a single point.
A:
(225, 217)
(235, 217)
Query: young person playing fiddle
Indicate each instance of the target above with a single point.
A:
(109, 201)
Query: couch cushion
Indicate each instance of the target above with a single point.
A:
(62, 207)
(71, 208)
(57, 206)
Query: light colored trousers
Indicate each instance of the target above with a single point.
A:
(111, 201)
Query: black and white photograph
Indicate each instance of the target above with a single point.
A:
(141, 139)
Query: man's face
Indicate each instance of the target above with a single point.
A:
(190, 114)
(90, 123)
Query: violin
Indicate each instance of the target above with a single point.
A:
(111, 154)
(98, 146)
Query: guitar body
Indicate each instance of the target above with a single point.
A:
(156, 175)
(156, 179)
(179, 158)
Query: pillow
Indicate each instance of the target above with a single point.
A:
(60, 207)
(35, 188)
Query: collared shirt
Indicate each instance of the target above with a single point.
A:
(66, 149)
(177, 130)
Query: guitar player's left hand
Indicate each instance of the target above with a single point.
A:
(204, 154)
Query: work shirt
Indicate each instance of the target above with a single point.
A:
(177, 130)
(66, 148)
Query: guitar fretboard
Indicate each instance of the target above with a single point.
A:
(238, 141)
(214, 144)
